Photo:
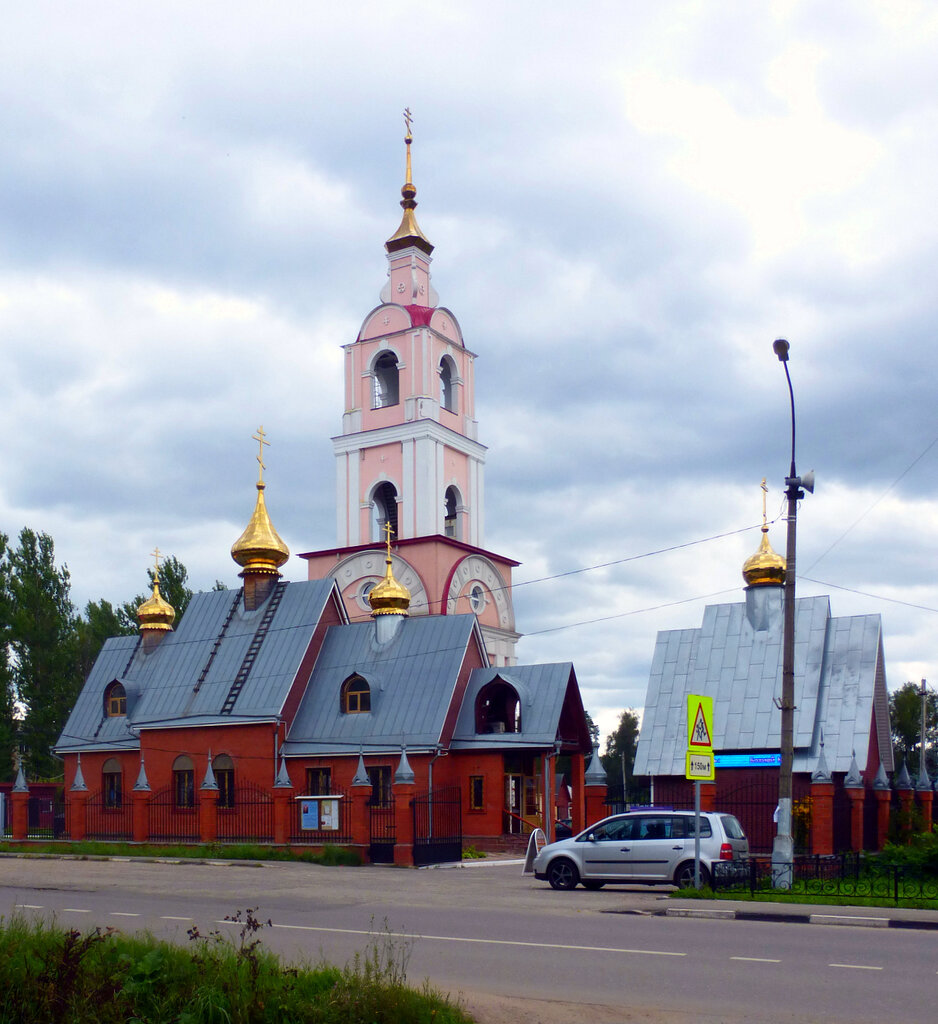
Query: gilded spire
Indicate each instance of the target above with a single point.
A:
(409, 232)
(389, 597)
(765, 566)
(156, 613)
(259, 549)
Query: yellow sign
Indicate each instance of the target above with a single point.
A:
(700, 766)
(699, 722)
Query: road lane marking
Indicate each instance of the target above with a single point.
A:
(121, 913)
(756, 959)
(856, 967)
(169, 917)
(27, 906)
(459, 938)
(74, 910)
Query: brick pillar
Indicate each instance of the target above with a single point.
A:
(822, 818)
(403, 823)
(283, 804)
(907, 802)
(577, 794)
(925, 798)
(77, 821)
(856, 795)
(141, 798)
(595, 804)
(208, 815)
(360, 822)
(19, 814)
(883, 798)
(708, 796)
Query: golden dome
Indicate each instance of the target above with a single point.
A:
(259, 549)
(156, 612)
(765, 566)
(409, 232)
(389, 597)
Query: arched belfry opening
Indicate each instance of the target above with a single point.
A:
(498, 708)
(384, 510)
(452, 527)
(386, 384)
(448, 384)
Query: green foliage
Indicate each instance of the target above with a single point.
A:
(593, 728)
(620, 748)
(328, 856)
(48, 975)
(905, 723)
(471, 853)
(8, 722)
(916, 850)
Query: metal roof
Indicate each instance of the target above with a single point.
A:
(541, 690)
(837, 664)
(412, 679)
(212, 640)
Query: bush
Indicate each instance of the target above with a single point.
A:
(918, 852)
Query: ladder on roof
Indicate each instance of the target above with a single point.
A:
(251, 656)
(218, 639)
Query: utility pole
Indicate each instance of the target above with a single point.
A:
(921, 754)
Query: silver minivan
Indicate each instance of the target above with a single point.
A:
(651, 846)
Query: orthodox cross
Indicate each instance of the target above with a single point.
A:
(408, 120)
(765, 492)
(259, 437)
(388, 529)
(155, 553)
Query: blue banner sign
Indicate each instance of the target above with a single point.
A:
(747, 760)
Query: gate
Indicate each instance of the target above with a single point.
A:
(383, 833)
(104, 821)
(45, 816)
(169, 823)
(249, 819)
(438, 826)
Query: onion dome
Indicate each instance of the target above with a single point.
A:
(409, 232)
(765, 567)
(156, 613)
(259, 549)
(389, 597)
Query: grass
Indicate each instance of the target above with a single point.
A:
(329, 855)
(49, 975)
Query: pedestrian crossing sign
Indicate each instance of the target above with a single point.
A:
(699, 722)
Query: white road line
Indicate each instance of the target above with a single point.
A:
(27, 906)
(74, 910)
(121, 913)
(856, 967)
(169, 917)
(490, 942)
(756, 959)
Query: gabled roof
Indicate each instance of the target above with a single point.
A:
(839, 682)
(542, 691)
(203, 664)
(412, 680)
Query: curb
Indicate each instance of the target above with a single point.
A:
(787, 917)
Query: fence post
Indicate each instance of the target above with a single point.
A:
(403, 823)
(595, 786)
(19, 806)
(822, 818)
(883, 799)
(360, 819)
(141, 812)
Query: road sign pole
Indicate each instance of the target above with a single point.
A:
(697, 834)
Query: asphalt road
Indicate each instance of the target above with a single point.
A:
(491, 933)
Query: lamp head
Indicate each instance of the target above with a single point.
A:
(780, 347)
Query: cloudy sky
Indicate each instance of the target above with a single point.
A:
(629, 202)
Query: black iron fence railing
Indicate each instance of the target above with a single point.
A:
(249, 818)
(850, 875)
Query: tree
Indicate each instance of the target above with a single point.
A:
(100, 621)
(43, 647)
(8, 720)
(620, 748)
(593, 728)
(173, 579)
(905, 723)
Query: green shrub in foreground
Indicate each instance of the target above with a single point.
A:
(49, 975)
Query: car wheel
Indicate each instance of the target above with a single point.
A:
(591, 884)
(562, 874)
(684, 875)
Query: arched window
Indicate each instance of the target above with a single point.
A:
(356, 696)
(385, 374)
(115, 701)
(448, 384)
(384, 510)
(223, 769)
(183, 781)
(498, 708)
(451, 516)
(112, 783)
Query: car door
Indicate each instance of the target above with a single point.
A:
(656, 848)
(605, 849)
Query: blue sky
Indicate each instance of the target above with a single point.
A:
(629, 202)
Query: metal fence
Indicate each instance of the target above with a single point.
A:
(851, 875)
(170, 823)
(108, 821)
(383, 832)
(250, 818)
(438, 826)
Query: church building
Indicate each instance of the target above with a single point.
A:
(377, 704)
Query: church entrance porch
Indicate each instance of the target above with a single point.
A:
(523, 809)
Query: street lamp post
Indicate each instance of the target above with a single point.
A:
(783, 846)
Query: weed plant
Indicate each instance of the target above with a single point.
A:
(49, 975)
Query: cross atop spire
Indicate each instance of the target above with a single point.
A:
(155, 554)
(259, 437)
(765, 518)
(388, 530)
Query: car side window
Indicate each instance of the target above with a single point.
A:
(655, 828)
(705, 830)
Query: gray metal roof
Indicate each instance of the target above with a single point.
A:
(838, 670)
(162, 686)
(412, 680)
(541, 690)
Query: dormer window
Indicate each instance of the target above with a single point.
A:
(356, 696)
(498, 708)
(115, 701)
